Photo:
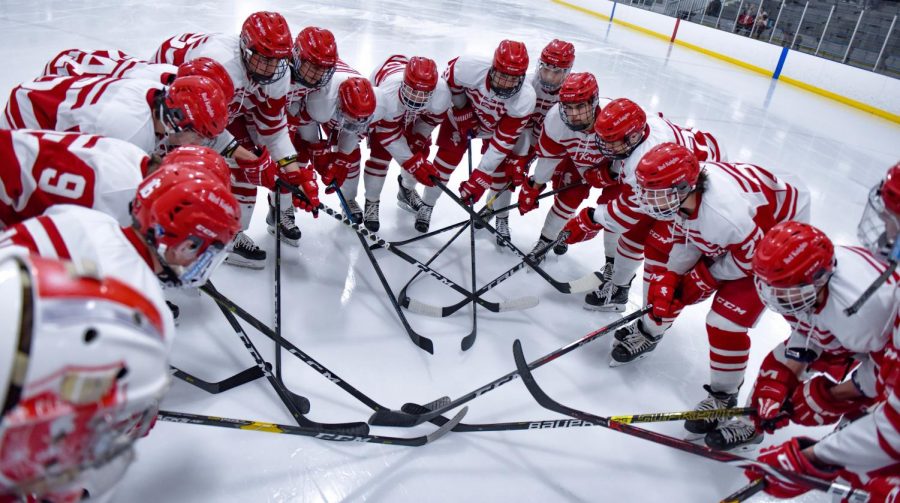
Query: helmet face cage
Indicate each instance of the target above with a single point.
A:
(414, 100)
(309, 74)
(878, 228)
(261, 69)
(551, 77)
(579, 115)
(620, 149)
(791, 300)
(195, 273)
(504, 85)
(345, 122)
(663, 204)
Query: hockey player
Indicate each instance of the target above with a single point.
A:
(554, 65)
(718, 213)
(865, 452)
(83, 369)
(413, 101)
(567, 153)
(624, 134)
(258, 61)
(491, 102)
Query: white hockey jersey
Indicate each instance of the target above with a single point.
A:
(116, 108)
(263, 106)
(544, 101)
(107, 63)
(81, 235)
(322, 110)
(557, 142)
(500, 120)
(739, 204)
(39, 169)
(296, 98)
(395, 119)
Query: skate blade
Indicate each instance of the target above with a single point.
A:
(291, 242)
(696, 438)
(615, 363)
(604, 309)
(405, 207)
(242, 262)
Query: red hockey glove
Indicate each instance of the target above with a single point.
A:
(774, 385)
(464, 118)
(599, 176)
(419, 144)
(698, 285)
(515, 168)
(582, 227)
(421, 168)
(814, 405)
(260, 171)
(528, 196)
(321, 157)
(788, 457)
(337, 171)
(305, 180)
(471, 190)
(884, 489)
(661, 295)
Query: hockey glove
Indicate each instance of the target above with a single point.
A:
(698, 285)
(788, 457)
(661, 295)
(421, 168)
(260, 171)
(776, 382)
(305, 180)
(515, 168)
(582, 227)
(471, 190)
(528, 196)
(814, 404)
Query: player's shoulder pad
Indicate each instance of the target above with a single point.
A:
(440, 99)
(522, 104)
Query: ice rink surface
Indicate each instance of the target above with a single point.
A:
(335, 308)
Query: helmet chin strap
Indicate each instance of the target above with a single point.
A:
(167, 275)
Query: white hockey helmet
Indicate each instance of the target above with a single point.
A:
(82, 369)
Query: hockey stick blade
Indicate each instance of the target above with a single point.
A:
(545, 401)
(243, 377)
(746, 492)
(320, 434)
(518, 304)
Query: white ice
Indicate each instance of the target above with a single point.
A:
(336, 310)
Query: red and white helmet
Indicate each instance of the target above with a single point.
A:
(314, 57)
(202, 158)
(357, 102)
(880, 223)
(265, 46)
(578, 98)
(620, 127)
(420, 78)
(187, 217)
(211, 69)
(195, 104)
(666, 175)
(507, 72)
(556, 61)
(792, 263)
(83, 366)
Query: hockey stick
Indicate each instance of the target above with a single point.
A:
(584, 284)
(880, 280)
(436, 311)
(362, 231)
(746, 492)
(290, 400)
(545, 401)
(320, 434)
(400, 418)
(469, 340)
(419, 340)
(463, 222)
(243, 377)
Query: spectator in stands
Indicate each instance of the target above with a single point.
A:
(714, 7)
(762, 22)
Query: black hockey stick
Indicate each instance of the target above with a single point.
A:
(469, 340)
(320, 434)
(545, 401)
(418, 339)
(463, 222)
(521, 303)
(584, 284)
(362, 231)
(289, 399)
(243, 377)
(746, 492)
(880, 280)
(400, 418)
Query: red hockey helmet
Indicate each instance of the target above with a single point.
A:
(879, 226)
(315, 56)
(211, 69)
(792, 263)
(202, 158)
(578, 99)
(420, 78)
(556, 61)
(621, 126)
(196, 104)
(508, 69)
(666, 175)
(265, 46)
(187, 217)
(357, 103)
(83, 366)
